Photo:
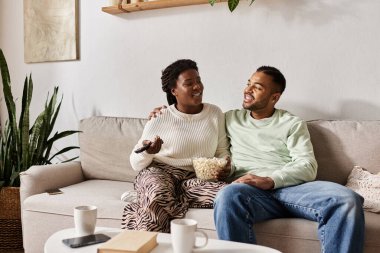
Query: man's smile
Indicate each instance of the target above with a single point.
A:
(248, 98)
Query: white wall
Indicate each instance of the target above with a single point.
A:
(328, 50)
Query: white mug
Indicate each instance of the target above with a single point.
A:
(183, 235)
(85, 220)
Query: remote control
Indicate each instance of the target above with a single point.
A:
(143, 148)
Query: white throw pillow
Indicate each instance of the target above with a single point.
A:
(367, 185)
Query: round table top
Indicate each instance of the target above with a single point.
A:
(54, 244)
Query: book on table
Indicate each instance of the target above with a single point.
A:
(130, 241)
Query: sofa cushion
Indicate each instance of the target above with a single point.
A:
(372, 228)
(105, 146)
(339, 145)
(299, 228)
(104, 194)
(291, 229)
(106, 143)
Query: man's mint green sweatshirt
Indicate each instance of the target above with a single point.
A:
(278, 147)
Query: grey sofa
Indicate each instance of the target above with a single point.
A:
(104, 173)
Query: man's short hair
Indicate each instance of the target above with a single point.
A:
(277, 77)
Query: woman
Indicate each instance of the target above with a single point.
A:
(166, 184)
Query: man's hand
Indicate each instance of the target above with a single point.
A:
(264, 183)
(156, 111)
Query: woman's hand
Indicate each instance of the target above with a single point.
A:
(155, 145)
(223, 174)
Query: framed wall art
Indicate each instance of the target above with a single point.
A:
(50, 30)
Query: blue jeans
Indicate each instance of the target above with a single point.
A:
(337, 209)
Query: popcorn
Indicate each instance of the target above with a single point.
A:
(207, 168)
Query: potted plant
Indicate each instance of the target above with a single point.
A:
(232, 4)
(21, 146)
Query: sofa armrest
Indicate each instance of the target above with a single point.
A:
(37, 179)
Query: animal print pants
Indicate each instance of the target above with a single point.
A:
(166, 193)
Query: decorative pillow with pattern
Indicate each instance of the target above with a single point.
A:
(367, 185)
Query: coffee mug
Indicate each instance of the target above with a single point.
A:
(183, 235)
(85, 220)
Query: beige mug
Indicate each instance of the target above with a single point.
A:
(183, 235)
(85, 220)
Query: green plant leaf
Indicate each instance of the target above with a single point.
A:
(69, 160)
(55, 113)
(41, 130)
(64, 150)
(11, 160)
(232, 4)
(35, 137)
(4, 69)
(50, 109)
(63, 134)
(6, 165)
(9, 100)
(212, 2)
(251, 2)
(24, 121)
(56, 137)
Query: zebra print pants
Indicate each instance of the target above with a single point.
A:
(165, 193)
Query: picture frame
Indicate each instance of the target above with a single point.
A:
(50, 30)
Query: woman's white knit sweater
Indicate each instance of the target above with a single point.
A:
(184, 136)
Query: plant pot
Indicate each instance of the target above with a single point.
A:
(10, 219)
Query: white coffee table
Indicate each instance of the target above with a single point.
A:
(54, 244)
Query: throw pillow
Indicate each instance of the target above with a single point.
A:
(367, 185)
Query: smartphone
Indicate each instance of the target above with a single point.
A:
(54, 191)
(86, 240)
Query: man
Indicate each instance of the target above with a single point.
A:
(274, 167)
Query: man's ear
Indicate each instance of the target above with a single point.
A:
(275, 97)
(173, 92)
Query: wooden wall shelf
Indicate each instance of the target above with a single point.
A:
(151, 5)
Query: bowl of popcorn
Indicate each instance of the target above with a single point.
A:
(207, 168)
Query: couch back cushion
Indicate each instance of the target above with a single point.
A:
(339, 145)
(105, 145)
